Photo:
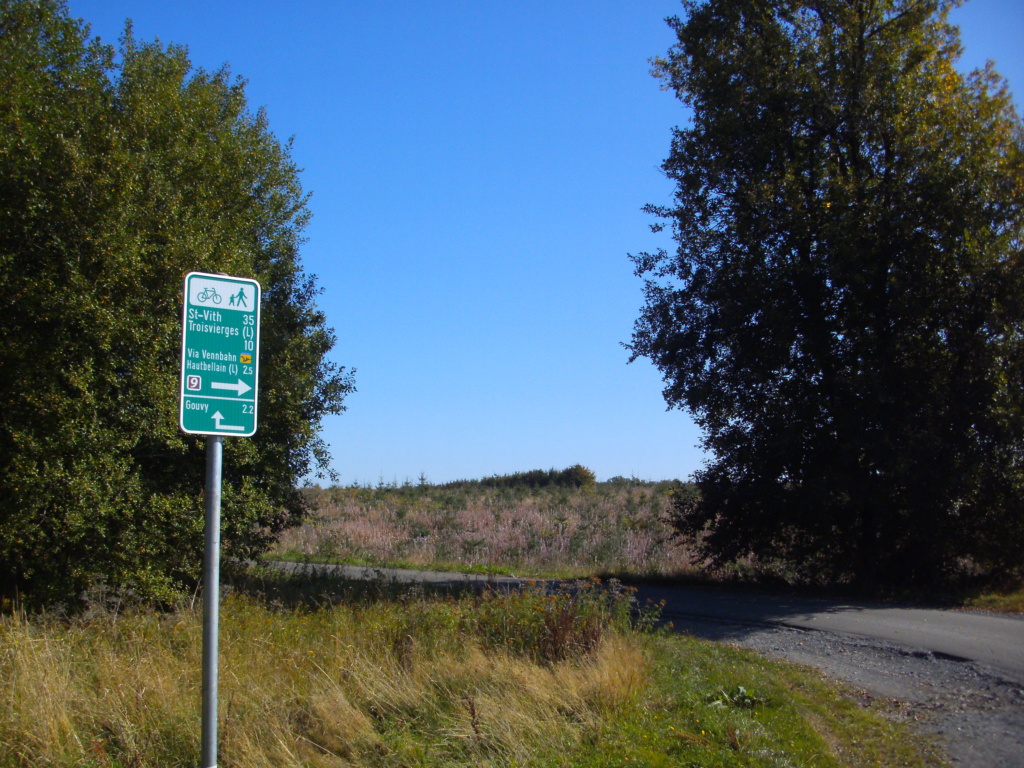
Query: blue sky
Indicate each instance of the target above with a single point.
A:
(477, 170)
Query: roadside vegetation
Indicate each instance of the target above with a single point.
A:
(1007, 601)
(527, 525)
(337, 674)
(505, 524)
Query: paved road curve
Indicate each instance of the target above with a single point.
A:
(993, 640)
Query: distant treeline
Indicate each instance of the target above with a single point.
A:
(460, 494)
(576, 476)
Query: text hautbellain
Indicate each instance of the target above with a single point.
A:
(196, 365)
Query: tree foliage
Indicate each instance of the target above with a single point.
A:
(576, 476)
(843, 312)
(119, 175)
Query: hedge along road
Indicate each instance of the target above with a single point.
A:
(958, 675)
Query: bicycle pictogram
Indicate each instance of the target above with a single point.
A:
(209, 294)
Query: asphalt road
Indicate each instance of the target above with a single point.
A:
(996, 641)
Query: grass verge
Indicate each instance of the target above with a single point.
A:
(451, 566)
(1008, 601)
(368, 675)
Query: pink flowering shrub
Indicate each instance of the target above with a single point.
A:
(617, 527)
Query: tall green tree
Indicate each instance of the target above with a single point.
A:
(843, 312)
(119, 175)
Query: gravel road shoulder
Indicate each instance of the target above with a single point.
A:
(976, 712)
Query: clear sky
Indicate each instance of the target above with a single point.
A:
(478, 169)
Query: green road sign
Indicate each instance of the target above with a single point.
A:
(220, 352)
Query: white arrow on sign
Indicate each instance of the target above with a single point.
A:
(239, 389)
(217, 416)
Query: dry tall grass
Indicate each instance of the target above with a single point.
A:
(380, 683)
(611, 528)
(392, 681)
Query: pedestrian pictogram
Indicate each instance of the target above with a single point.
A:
(219, 355)
(238, 300)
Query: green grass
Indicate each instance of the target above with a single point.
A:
(370, 562)
(448, 566)
(318, 673)
(1008, 601)
(723, 706)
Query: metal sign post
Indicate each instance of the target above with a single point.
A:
(211, 601)
(220, 341)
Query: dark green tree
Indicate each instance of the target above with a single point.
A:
(117, 177)
(843, 312)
